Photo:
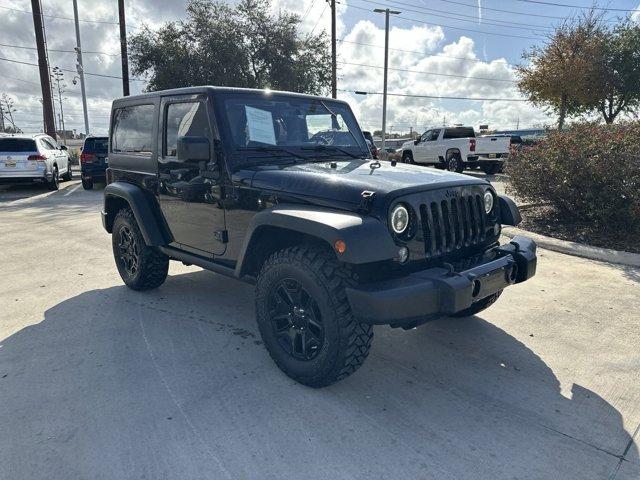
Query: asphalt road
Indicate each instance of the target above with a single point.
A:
(100, 382)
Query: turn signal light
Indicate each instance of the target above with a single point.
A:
(472, 145)
(340, 246)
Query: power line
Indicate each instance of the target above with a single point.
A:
(432, 73)
(319, 18)
(25, 47)
(417, 52)
(580, 6)
(437, 97)
(72, 71)
(58, 17)
(526, 14)
(428, 11)
(415, 20)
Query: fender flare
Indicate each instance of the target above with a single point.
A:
(509, 212)
(367, 239)
(142, 208)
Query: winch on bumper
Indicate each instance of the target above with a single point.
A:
(441, 291)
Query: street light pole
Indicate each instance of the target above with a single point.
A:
(80, 68)
(386, 12)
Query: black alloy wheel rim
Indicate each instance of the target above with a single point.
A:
(56, 179)
(453, 164)
(295, 320)
(128, 249)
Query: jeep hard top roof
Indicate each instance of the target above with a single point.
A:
(217, 90)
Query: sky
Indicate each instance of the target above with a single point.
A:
(438, 48)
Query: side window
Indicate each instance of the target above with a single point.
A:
(425, 136)
(47, 144)
(434, 136)
(187, 119)
(133, 129)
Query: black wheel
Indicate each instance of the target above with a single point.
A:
(479, 306)
(69, 175)
(490, 169)
(305, 319)
(87, 184)
(54, 183)
(407, 157)
(454, 163)
(141, 267)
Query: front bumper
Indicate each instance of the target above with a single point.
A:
(440, 291)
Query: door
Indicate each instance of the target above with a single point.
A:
(431, 146)
(59, 156)
(189, 191)
(420, 150)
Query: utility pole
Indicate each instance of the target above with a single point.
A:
(386, 12)
(80, 68)
(123, 49)
(45, 85)
(1, 119)
(518, 124)
(334, 80)
(57, 76)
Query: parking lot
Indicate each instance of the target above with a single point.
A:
(98, 381)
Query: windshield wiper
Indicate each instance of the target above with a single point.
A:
(324, 148)
(272, 151)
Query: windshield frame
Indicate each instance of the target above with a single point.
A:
(238, 155)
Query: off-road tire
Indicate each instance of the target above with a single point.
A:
(67, 177)
(54, 183)
(407, 157)
(87, 184)
(346, 341)
(479, 306)
(153, 265)
(454, 163)
(491, 169)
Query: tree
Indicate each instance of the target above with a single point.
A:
(618, 85)
(7, 109)
(241, 46)
(560, 75)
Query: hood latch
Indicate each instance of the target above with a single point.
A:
(366, 201)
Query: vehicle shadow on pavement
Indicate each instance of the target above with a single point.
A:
(175, 383)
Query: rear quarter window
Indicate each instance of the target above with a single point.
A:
(17, 145)
(458, 133)
(133, 129)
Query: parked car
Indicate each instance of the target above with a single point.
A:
(457, 148)
(93, 161)
(33, 158)
(278, 189)
(372, 148)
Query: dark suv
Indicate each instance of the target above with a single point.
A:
(278, 189)
(93, 161)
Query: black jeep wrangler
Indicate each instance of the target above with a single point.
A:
(279, 189)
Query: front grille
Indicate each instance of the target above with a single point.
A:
(451, 224)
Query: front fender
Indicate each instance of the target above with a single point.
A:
(143, 210)
(367, 239)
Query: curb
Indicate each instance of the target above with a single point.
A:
(577, 249)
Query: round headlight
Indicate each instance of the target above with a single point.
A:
(488, 201)
(399, 219)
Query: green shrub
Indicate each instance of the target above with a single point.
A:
(588, 173)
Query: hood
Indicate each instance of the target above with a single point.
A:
(347, 181)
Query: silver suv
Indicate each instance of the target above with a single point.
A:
(33, 158)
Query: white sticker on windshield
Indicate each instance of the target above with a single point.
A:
(260, 125)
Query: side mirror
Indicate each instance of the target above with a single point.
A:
(63, 147)
(415, 142)
(193, 149)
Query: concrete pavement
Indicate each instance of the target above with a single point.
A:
(97, 381)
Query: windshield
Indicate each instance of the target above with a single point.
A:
(292, 128)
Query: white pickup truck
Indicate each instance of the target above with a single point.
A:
(457, 148)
